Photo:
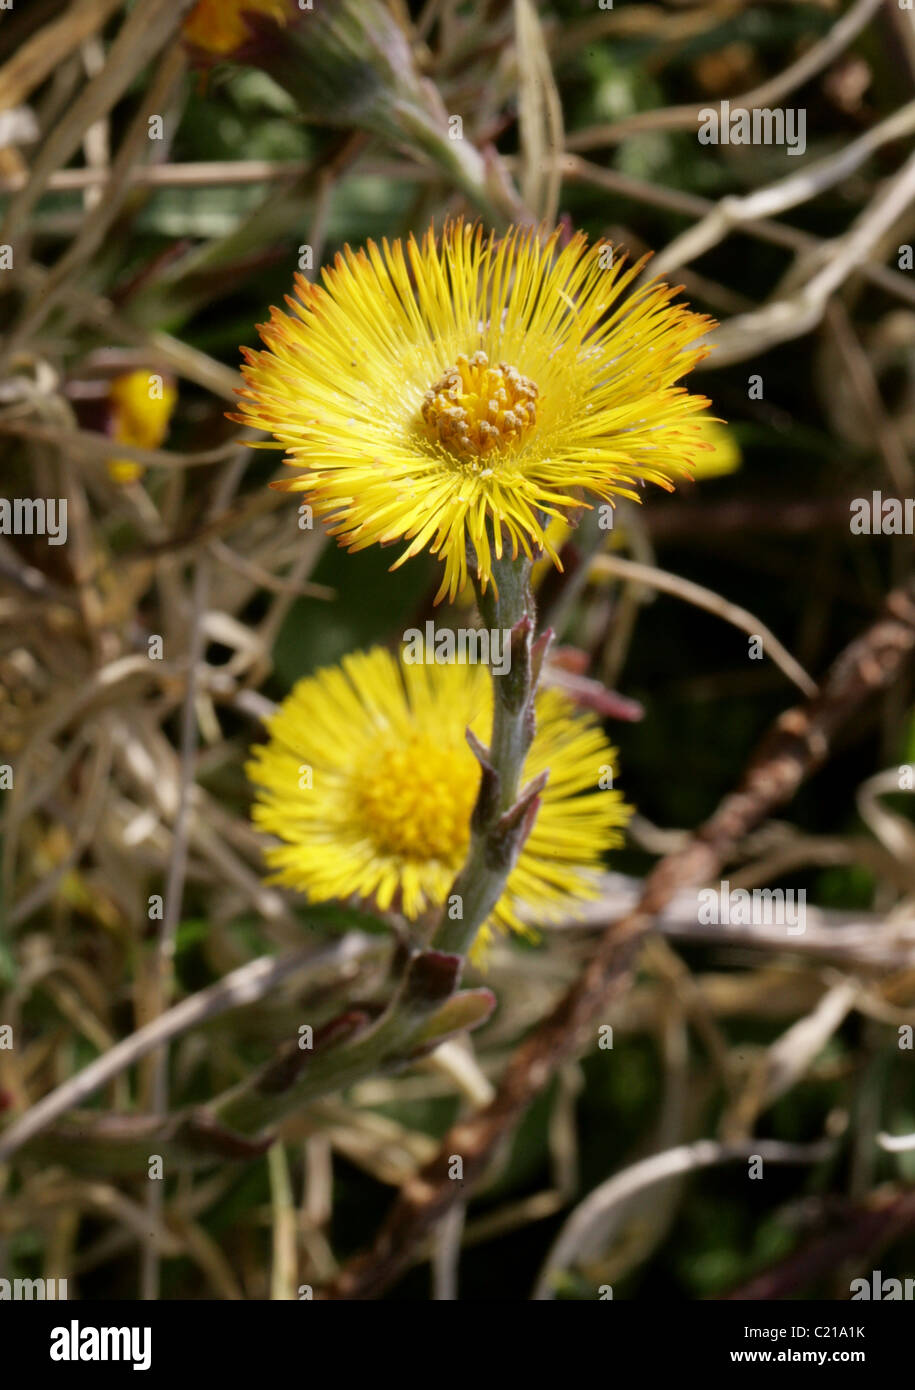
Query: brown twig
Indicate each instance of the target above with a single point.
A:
(863, 1232)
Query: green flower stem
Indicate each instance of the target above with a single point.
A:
(356, 1050)
(504, 811)
(426, 1006)
(461, 161)
(349, 63)
(242, 1123)
(239, 1125)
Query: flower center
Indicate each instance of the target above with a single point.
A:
(475, 408)
(416, 798)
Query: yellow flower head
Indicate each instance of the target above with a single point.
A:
(218, 26)
(369, 783)
(141, 407)
(469, 389)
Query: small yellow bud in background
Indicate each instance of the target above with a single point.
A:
(141, 405)
(722, 456)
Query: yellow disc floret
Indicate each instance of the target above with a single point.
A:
(474, 408)
(416, 799)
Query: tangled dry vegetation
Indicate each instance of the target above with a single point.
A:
(127, 771)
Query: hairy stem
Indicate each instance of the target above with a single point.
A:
(505, 809)
(242, 1122)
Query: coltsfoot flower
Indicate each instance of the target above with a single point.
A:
(368, 782)
(468, 389)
